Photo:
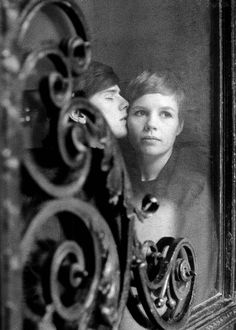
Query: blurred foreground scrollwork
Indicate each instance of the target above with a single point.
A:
(68, 247)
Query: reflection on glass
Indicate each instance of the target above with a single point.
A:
(174, 35)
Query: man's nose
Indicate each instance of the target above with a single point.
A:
(123, 104)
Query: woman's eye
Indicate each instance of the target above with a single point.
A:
(166, 114)
(139, 113)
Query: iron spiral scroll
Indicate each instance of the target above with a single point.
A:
(75, 193)
(162, 285)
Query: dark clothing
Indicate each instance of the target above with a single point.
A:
(185, 210)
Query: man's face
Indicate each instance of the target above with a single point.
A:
(153, 124)
(113, 107)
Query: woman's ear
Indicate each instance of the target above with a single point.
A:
(181, 126)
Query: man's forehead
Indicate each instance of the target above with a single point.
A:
(113, 89)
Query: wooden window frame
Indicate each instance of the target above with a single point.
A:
(220, 311)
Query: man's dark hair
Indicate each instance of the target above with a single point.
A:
(96, 78)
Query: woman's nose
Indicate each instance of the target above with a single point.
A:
(151, 123)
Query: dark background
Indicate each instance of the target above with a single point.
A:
(135, 35)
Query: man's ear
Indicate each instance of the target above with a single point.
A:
(181, 126)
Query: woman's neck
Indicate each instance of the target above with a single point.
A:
(151, 166)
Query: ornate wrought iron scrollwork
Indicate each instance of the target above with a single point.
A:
(162, 287)
(73, 227)
(70, 262)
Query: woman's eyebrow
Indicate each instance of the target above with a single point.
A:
(137, 107)
(167, 108)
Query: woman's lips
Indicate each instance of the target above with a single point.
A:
(150, 138)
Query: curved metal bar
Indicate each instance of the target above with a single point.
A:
(69, 7)
(164, 280)
(80, 126)
(36, 170)
(60, 91)
(58, 272)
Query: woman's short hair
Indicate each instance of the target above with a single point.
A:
(96, 78)
(164, 82)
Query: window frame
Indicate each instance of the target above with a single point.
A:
(219, 311)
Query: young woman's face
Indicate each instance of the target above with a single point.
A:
(113, 107)
(153, 124)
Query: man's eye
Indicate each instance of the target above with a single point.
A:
(109, 97)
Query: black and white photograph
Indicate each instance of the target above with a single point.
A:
(117, 165)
